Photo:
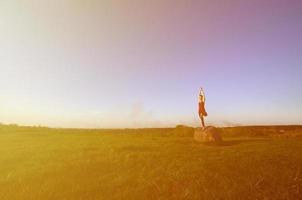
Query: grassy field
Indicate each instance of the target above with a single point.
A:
(252, 163)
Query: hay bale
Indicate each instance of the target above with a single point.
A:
(209, 134)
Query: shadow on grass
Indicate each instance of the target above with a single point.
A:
(233, 142)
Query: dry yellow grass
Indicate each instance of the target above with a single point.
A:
(42, 163)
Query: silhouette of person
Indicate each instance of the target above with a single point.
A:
(201, 107)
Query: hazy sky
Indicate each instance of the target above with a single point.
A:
(140, 63)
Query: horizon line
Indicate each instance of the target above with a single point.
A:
(166, 127)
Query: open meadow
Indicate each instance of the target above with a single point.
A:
(251, 163)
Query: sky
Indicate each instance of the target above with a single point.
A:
(140, 63)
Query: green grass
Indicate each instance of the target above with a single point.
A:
(42, 163)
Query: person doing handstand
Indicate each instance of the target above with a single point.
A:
(201, 107)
